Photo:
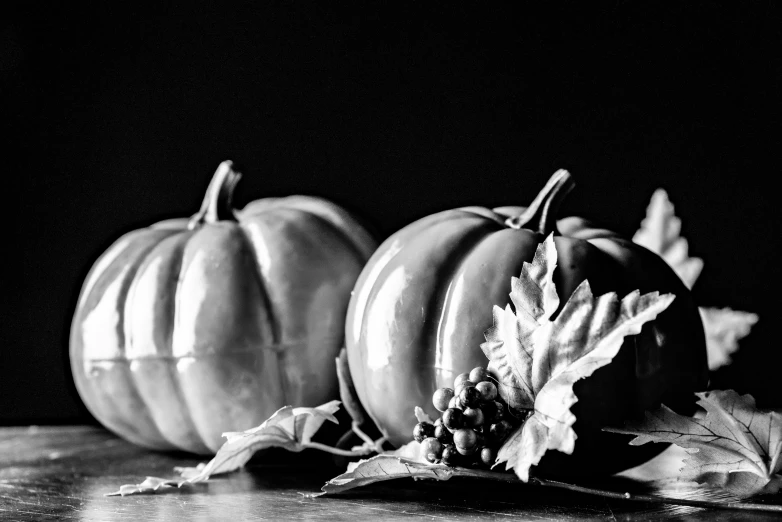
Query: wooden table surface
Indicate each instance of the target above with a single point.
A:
(63, 473)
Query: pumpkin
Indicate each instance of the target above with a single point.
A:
(424, 300)
(193, 327)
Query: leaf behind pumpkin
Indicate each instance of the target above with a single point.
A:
(660, 232)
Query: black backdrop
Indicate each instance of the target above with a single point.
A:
(117, 117)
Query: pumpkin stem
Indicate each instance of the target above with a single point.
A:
(541, 215)
(217, 202)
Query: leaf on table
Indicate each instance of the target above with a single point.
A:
(734, 446)
(289, 428)
(537, 360)
(410, 451)
(385, 467)
(150, 485)
(660, 232)
(189, 472)
(724, 328)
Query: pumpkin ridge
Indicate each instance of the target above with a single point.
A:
(331, 213)
(263, 285)
(368, 278)
(340, 232)
(444, 298)
(477, 227)
(277, 347)
(176, 434)
(148, 433)
(273, 316)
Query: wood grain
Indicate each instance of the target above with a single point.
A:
(63, 473)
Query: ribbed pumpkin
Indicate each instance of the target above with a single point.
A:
(423, 301)
(194, 327)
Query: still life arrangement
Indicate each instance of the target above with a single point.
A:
(506, 344)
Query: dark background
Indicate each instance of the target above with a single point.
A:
(117, 117)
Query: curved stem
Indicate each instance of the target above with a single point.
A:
(659, 500)
(541, 215)
(714, 504)
(217, 204)
(337, 451)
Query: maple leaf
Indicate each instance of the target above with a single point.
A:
(660, 233)
(536, 360)
(734, 446)
(724, 328)
(289, 428)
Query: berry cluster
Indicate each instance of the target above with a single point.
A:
(473, 425)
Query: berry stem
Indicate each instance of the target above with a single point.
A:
(376, 444)
(336, 451)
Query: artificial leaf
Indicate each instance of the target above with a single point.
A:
(734, 446)
(724, 328)
(537, 360)
(421, 415)
(385, 467)
(150, 485)
(409, 451)
(659, 233)
(289, 428)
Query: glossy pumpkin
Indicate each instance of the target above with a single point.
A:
(191, 328)
(421, 305)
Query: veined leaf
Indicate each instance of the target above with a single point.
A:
(660, 232)
(734, 446)
(290, 428)
(389, 467)
(724, 328)
(536, 361)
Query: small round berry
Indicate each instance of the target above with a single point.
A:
(487, 390)
(489, 410)
(432, 449)
(462, 377)
(488, 456)
(478, 374)
(438, 422)
(500, 412)
(470, 396)
(423, 430)
(441, 398)
(453, 418)
(442, 434)
(473, 417)
(455, 403)
(462, 385)
(500, 430)
(450, 455)
(465, 441)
